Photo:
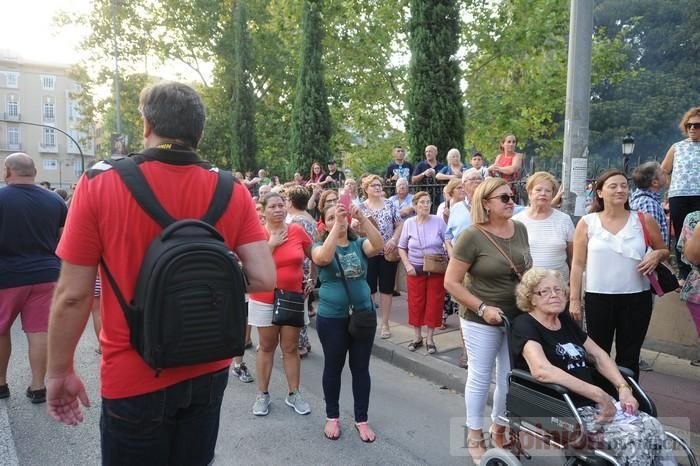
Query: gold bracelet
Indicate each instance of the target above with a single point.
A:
(623, 385)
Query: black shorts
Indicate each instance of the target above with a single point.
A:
(382, 271)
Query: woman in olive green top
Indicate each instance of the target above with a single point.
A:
(488, 291)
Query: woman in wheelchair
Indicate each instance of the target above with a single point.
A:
(546, 342)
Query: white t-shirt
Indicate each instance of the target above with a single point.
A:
(548, 239)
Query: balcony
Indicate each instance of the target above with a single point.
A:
(48, 148)
(12, 116)
(10, 147)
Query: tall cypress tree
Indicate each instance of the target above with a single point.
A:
(243, 140)
(434, 100)
(311, 120)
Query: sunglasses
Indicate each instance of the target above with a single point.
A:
(692, 125)
(504, 198)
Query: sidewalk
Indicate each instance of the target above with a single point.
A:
(673, 383)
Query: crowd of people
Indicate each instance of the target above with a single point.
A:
(329, 246)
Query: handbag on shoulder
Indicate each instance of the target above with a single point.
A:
(362, 324)
(288, 308)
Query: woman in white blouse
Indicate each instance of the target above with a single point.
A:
(549, 231)
(609, 246)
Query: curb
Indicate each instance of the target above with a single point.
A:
(7, 443)
(435, 370)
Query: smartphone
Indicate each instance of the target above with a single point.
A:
(345, 201)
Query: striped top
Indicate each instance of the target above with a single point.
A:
(548, 239)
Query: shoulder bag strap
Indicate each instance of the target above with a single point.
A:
(221, 199)
(493, 241)
(647, 238)
(345, 284)
(136, 183)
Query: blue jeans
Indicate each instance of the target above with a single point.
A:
(177, 425)
(337, 343)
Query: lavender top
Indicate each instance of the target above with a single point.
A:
(426, 238)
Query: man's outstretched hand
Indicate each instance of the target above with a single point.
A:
(62, 395)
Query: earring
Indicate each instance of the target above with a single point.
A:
(488, 211)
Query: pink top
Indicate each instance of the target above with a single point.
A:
(504, 160)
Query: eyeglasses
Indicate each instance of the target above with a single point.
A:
(473, 179)
(426, 202)
(504, 198)
(547, 292)
(692, 125)
(375, 185)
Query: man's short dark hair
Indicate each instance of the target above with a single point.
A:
(645, 174)
(174, 111)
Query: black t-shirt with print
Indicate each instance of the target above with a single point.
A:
(563, 348)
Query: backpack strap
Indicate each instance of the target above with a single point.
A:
(221, 199)
(136, 183)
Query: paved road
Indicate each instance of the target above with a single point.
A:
(416, 422)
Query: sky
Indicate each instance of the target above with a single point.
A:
(31, 34)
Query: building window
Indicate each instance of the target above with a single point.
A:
(12, 108)
(75, 134)
(50, 164)
(49, 111)
(48, 82)
(13, 138)
(11, 78)
(77, 169)
(73, 111)
(49, 138)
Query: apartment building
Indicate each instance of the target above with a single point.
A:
(42, 94)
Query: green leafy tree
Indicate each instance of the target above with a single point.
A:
(516, 73)
(663, 78)
(434, 99)
(243, 141)
(311, 122)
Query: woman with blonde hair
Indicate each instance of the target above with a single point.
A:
(682, 162)
(454, 193)
(454, 168)
(549, 231)
(495, 253)
(550, 345)
(381, 273)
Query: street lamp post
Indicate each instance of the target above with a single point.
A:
(627, 150)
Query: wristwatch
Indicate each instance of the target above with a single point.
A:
(482, 308)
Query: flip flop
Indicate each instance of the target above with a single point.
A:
(363, 430)
(336, 426)
(386, 333)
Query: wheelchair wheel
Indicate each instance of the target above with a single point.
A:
(499, 457)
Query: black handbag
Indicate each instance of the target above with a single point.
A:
(288, 308)
(362, 324)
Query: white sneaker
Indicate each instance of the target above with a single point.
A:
(261, 407)
(296, 401)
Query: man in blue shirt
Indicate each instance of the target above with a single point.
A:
(399, 168)
(31, 220)
(650, 179)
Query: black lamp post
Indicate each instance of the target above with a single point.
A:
(627, 150)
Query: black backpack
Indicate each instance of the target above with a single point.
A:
(189, 304)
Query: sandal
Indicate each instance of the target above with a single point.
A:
(386, 333)
(36, 396)
(462, 361)
(366, 434)
(432, 349)
(498, 437)
(414, 345)
(333, 434)
(477, 448)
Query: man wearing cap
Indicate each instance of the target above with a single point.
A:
(333, 178)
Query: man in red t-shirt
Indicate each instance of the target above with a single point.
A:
(146, 418)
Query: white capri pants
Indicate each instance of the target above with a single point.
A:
(486, 345)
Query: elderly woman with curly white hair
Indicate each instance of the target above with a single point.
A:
(548, 343)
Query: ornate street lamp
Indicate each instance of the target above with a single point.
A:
(627, 150)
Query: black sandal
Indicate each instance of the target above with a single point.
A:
(414, 345)
(432, 349)
(36, 396)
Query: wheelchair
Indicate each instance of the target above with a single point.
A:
(547, 413)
